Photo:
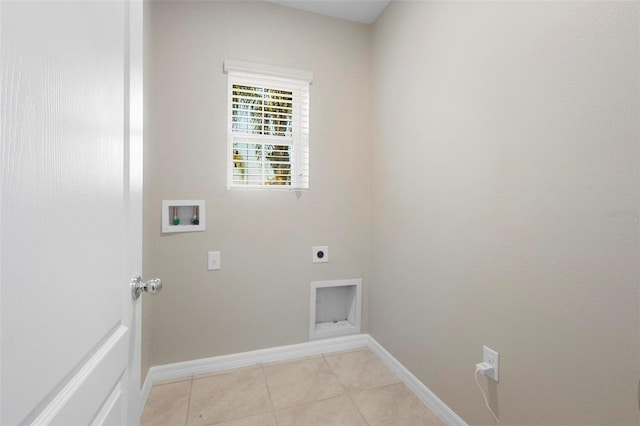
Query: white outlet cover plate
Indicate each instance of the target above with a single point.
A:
(213, 260)
(491, 357)
(315, 254)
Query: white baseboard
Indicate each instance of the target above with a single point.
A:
(424, 393)
(244, 359)
(316, 347)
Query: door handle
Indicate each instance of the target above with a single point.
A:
(138, 286)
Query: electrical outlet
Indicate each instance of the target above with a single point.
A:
(492, 358)
(320, 254)
(213, 260)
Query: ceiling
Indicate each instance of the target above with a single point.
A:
(364, 11)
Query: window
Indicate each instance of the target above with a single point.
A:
(268, 126)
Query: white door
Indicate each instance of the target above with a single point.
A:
(71, 211)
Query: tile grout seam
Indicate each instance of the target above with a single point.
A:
(186, 416)
(348, 393)
(266, 385)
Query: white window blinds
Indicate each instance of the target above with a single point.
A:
(268, 126)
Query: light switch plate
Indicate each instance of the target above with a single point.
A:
(213, 260)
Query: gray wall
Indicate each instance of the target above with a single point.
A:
(505, 133)
(260, 297)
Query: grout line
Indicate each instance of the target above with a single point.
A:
(239, 418)
(349, 392)
(346, 351)
(186, 416)
(334, 373)
(271, 364)
(266, 384)
(316, 400)
(172, 381)
(357, 408)
(224, 372)
(344, 388)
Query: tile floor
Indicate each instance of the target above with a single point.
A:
(345, 388)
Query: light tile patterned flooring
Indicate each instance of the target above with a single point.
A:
(345, 388)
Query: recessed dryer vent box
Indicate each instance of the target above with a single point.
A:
(183, 216)
(335, 308)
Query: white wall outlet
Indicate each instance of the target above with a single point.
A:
(492, 358)
(213, 260)
(320, 254)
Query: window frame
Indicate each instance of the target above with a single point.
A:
(273, 78)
